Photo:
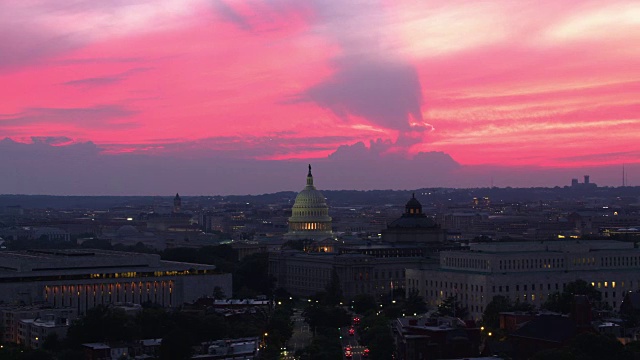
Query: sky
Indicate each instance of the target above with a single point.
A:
(153, 97)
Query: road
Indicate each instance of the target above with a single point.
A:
(300, 338)
(351, 341)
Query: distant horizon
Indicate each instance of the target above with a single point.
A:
(170, 196)
(300, 181)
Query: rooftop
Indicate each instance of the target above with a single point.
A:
(75, 261)
(573, 246)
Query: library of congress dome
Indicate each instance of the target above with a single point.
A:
(310, 214)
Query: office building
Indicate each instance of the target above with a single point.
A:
(81, 279)
(528, 272)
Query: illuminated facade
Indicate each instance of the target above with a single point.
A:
(82, 279)
(310, 214)
(529, 272)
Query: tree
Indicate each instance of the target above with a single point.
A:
(153, 322)
(375, 332)
(499, 303)
(218, 293)
(333, 290)
(451, 307)
(176, 345)
(324, 346)
(51, 343)
(102, 323)
(555, 354)
(562, 302)
(252, 273)
(319, 316)
(589, 346)
(415, 304)
(491, 315)
(363, 303)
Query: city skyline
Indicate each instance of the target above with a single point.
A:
(232, 97)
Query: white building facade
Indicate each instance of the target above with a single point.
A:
(528, 272)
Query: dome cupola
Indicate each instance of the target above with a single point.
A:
(413, 206)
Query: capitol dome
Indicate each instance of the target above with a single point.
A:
(310, 214)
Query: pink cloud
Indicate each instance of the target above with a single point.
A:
(548, 83)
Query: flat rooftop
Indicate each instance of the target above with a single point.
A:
(76, 261)
(573, 246)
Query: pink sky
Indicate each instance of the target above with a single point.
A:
(542, 83)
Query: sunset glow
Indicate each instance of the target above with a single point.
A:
(502, 83)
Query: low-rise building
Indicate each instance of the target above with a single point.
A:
(528, 272)
(31, 325)
(82, 279)
(306, 274)
(426, 338)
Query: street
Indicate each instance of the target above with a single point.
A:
(300, 338)
(352, 342)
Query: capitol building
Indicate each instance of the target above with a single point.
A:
(310, 218)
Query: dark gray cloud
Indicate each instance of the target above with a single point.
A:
(385, 93)
(99, 116)
(369, 81)
(264, 16)
(229, 14)
(83, 169)
(251, 147)
(51, 140)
